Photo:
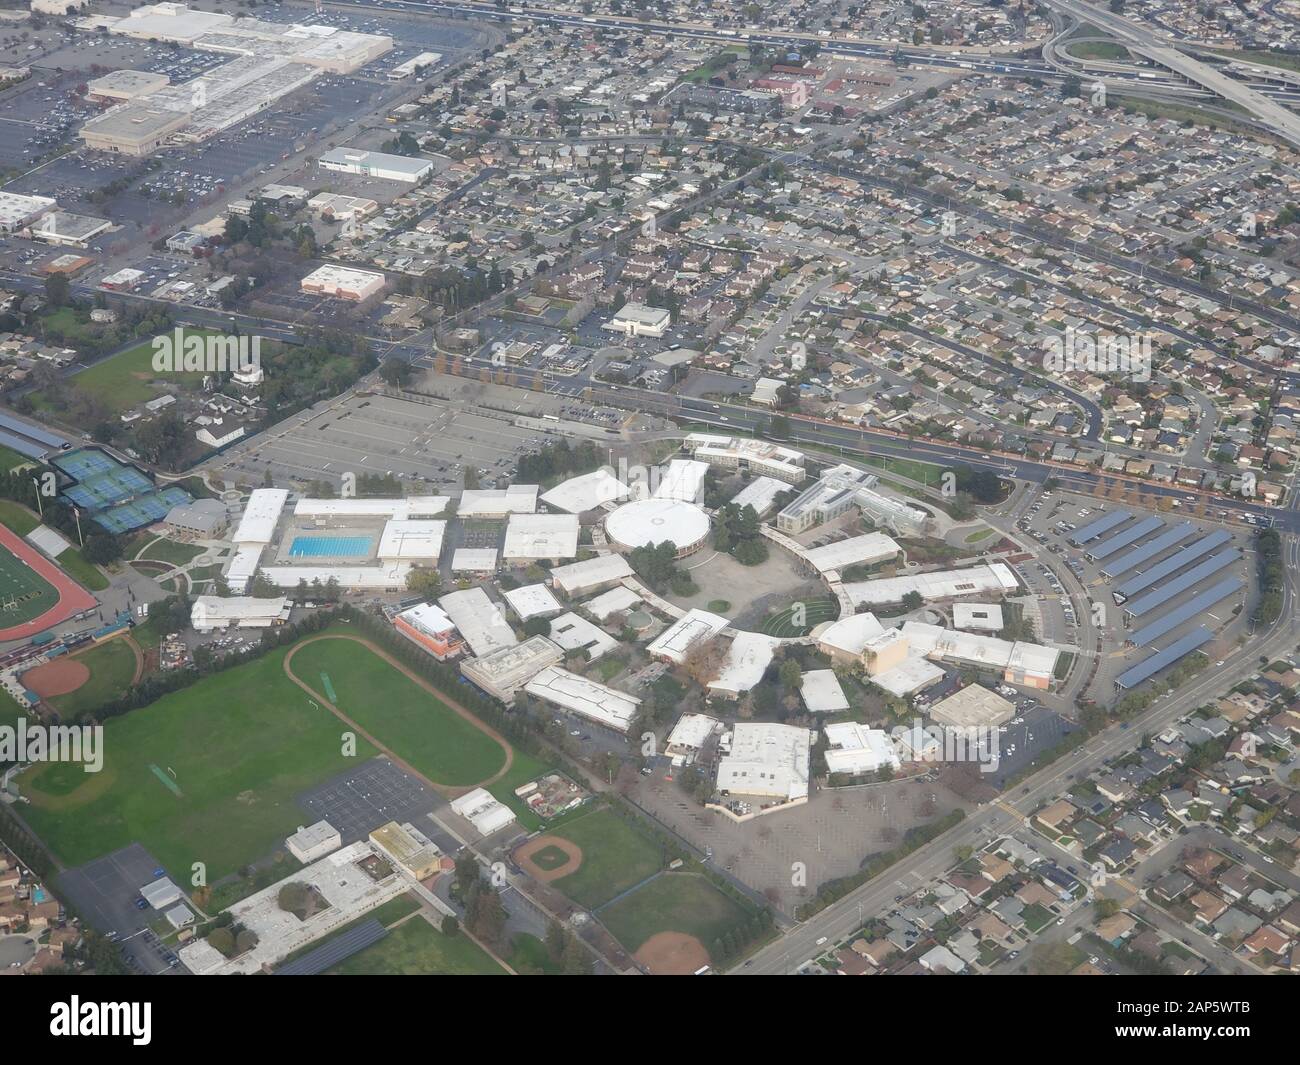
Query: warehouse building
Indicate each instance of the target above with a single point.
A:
(587, 492)
(343, 282)
(864, 550)
(18, 212)
(377, 165)
(578, 579)
(312, 843)
(481, 622)
(638, 320)
(585, 698)
(482, 810)
(747, 660)
(822, 692)
(411, 541)
(765, 760)
(691, 628)
(498, 503)
(211, 613)
(973, 706)
(942, 584)
(540, 537)
(477, 561)
(856, 750)
(118, 86)
(980, 617)
(533, 601)
(503, 672)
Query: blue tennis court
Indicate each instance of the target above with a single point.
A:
(329, 546)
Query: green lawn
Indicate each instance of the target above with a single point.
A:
(177, 554)
(674, 902)
(419, 727)
(112, 668)
(615, 857)
(10, 459)
(416, 948)
(529, 957)
(127, 379)
(241, 745)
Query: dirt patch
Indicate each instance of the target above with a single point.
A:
(60, 677)
(541, 843)
(672, 954)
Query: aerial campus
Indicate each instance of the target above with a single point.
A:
(614, 488)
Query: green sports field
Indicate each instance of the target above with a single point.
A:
(416, 948)
(24, 594)
(112, 668)
(421, 728)
(674, 902)
(615, 857)
(239, 745)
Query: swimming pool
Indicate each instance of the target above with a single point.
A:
(330, 546)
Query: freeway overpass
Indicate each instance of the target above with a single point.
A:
(1145, 42)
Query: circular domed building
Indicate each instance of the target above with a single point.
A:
(652, 521)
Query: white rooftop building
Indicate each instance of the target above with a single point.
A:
(981, 617)
(844, 640)
(638, 320)
(504, 671)
(533, 601)
(856, 550)
(388, 577)
(483, 810)
(591, 574)
(474, 560)
(682, 479)
(403, 509)
(498, 502)
(574, 632)
(261, 515)
(783, 464)
(822, 692)
(766, 760)
(211, 612)
(747, 660)
(580, 494)
(761, 494)
(540, 536)
(480, 621)
(942, 584)
(614, 601)
(856, 749)
(691, 628)
(411, 540)
(596, 702)
(689, 736)
(312, 843)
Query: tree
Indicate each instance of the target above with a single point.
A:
(450, 926)
(395, 372)
(423, 581)
(57, 289)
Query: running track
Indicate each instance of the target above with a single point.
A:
(73, 598)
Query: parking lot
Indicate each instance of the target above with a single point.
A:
(830, 836)
(1053, 518)
(105, 893)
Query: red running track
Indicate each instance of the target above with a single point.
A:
(73, 598)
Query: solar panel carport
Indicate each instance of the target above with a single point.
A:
(1173, 563)
(1144, 604)
(1104, 524)
(1123, 538)
(1150, 549)
(1180, 615)
(1149, 667)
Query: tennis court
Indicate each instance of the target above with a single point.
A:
(330, 546)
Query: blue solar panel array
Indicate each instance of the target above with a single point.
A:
(338, 949)
(1149, 667)
(22, 446)
(1194, 607)
(32, 432)
(1173, 563)
(1104, 524)
(1124, 537)
(1150, 549)
(1144, 604)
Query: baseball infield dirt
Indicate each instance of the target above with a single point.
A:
(59, 677)
(672, 954)
(524, 857)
